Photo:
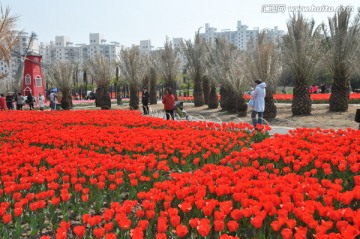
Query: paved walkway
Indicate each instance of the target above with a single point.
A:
(279, 130)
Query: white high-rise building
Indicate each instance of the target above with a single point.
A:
(240, 37)
(64, 50)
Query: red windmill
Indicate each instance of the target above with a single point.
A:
(32, 81)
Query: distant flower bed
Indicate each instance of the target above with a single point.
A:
(287, 98)
(316, 98)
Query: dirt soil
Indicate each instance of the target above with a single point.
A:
(320, 116)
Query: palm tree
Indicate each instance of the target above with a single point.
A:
(194, 54)
(340, 44)
(263, 62)
(133, 66)
(8, 40)
(301, 48)
(167, 64)
(62, 75)
(101, 71)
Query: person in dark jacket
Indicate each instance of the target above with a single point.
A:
(145, 101)
(30, 101)
(10, 99)
(169, 103)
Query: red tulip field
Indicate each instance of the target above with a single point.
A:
(118, 174)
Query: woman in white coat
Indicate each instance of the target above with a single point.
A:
(258, 95)
(41, 101)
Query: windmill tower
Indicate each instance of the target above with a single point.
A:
(32, 81)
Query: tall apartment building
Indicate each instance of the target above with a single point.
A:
(64, 50)
(240, 37)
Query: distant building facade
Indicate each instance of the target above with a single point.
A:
(240, 37)
(145, 46)
(64, 50)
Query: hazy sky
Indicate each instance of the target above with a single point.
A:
(130, 21)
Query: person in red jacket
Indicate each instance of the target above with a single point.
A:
(2, 102)
(169, 103)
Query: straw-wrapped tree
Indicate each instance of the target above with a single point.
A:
(226, 68)
(167, 64)
(101, 70)
(133, 66)
(196, 68)
(342, 38)
(61, 74)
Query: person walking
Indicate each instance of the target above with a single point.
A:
(19, 101)
(41, 101)
(30, 101)
(53, 100)
(145, 101)
(2, 102)
(258, 95)
(10, 101)
(169, 103)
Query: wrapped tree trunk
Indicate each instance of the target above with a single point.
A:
(103, 98)
(339, 98)
(66, 100)
(134, 98)
(198, 92)
(241, 106)
(213, 102)
(206, 89)
(270, 107)
(231, 101)
(153, 98)
(223, 101)
(301, 104)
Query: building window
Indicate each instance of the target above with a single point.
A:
(38, 81)
(27, 79)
